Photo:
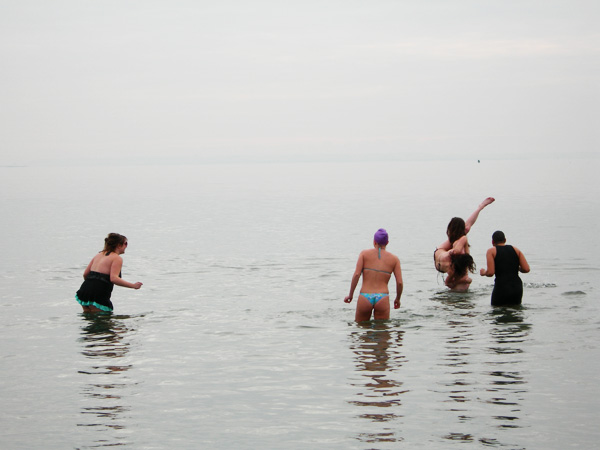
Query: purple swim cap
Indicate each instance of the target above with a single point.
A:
(381, 237)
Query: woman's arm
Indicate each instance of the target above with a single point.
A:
(355, 277)
(473, 217)
(460, 246)
(88, 269)
(399, 284)
(523, 264)
(115, 270)
(491, 267)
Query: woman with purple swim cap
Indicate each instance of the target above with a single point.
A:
(376, 265)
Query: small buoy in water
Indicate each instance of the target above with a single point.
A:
(478, 161)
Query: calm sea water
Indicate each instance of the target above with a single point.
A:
(240, 338)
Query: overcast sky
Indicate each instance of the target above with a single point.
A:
(118, 81)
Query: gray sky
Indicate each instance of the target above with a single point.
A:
(118, 81)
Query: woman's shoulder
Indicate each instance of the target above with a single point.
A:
(517, 251)
(393, 257)
(510, 248)
(98, 256)
(115, 257)
(368, 251)
(112, 256)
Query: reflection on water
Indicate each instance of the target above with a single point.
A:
(452, 301)
(377, 348)
(507, 382)
(105, 347)
(469, 379)
(458, 382)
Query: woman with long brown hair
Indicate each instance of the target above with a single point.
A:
(101, 274)
(452, 256)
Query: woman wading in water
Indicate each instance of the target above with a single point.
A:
(104, 271)
(453, 255)
(376, 266)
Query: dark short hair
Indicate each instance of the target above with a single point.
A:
(498, 237)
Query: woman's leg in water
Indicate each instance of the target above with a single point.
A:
(363, 309)
(91, 309)
(382, 309)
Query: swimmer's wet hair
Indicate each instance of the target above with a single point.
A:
(112, 241)
(461, 263)
(498, 237)
(456, 229)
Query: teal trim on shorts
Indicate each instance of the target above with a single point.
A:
(97, 305)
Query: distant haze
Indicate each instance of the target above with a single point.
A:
(170, 82)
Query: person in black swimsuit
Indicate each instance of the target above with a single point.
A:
(505, 261)
(101, 274)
